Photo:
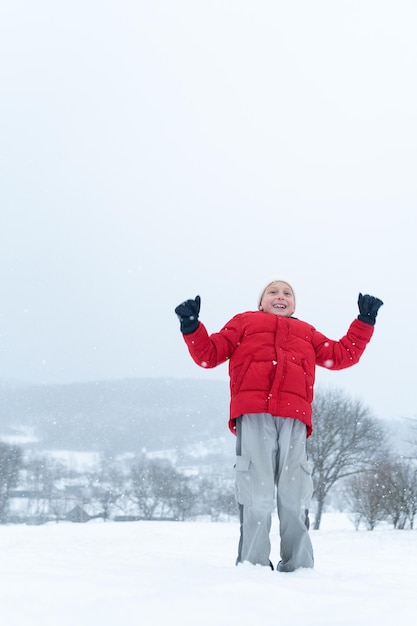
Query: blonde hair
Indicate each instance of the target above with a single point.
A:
(278, 280)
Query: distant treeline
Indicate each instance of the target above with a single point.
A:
(354, 465)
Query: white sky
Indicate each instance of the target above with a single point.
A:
(150, 151)
(163, 573)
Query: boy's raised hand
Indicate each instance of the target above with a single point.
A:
(368, 308)
(187, 313)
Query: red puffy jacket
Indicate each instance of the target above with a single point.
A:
(272, 361)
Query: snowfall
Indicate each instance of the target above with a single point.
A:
(183, 573)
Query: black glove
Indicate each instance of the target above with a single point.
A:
(188, 315)
(368, 308)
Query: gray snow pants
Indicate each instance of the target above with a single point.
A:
(271, 461)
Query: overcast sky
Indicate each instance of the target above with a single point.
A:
(152, 151)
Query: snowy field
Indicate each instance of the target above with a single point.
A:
(172, 573)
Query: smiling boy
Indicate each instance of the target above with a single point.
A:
(272, 359)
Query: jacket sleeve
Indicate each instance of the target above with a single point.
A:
(211, 350)
(338, 355)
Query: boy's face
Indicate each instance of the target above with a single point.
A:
(278, 299)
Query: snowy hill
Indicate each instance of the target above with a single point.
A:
(116, 415)
(128, 415)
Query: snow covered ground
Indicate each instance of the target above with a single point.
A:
(169, 573)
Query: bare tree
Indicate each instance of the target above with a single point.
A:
(58, 497)
(346, 440)
(10, 465)
(399, 492)
(40, 474)
(183, 496)
(217, 497)
(153, 487)
(108, 485)
(363, 493)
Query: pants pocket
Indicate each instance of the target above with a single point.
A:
(243, 483)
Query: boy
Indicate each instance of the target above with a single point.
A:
(272, 358)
